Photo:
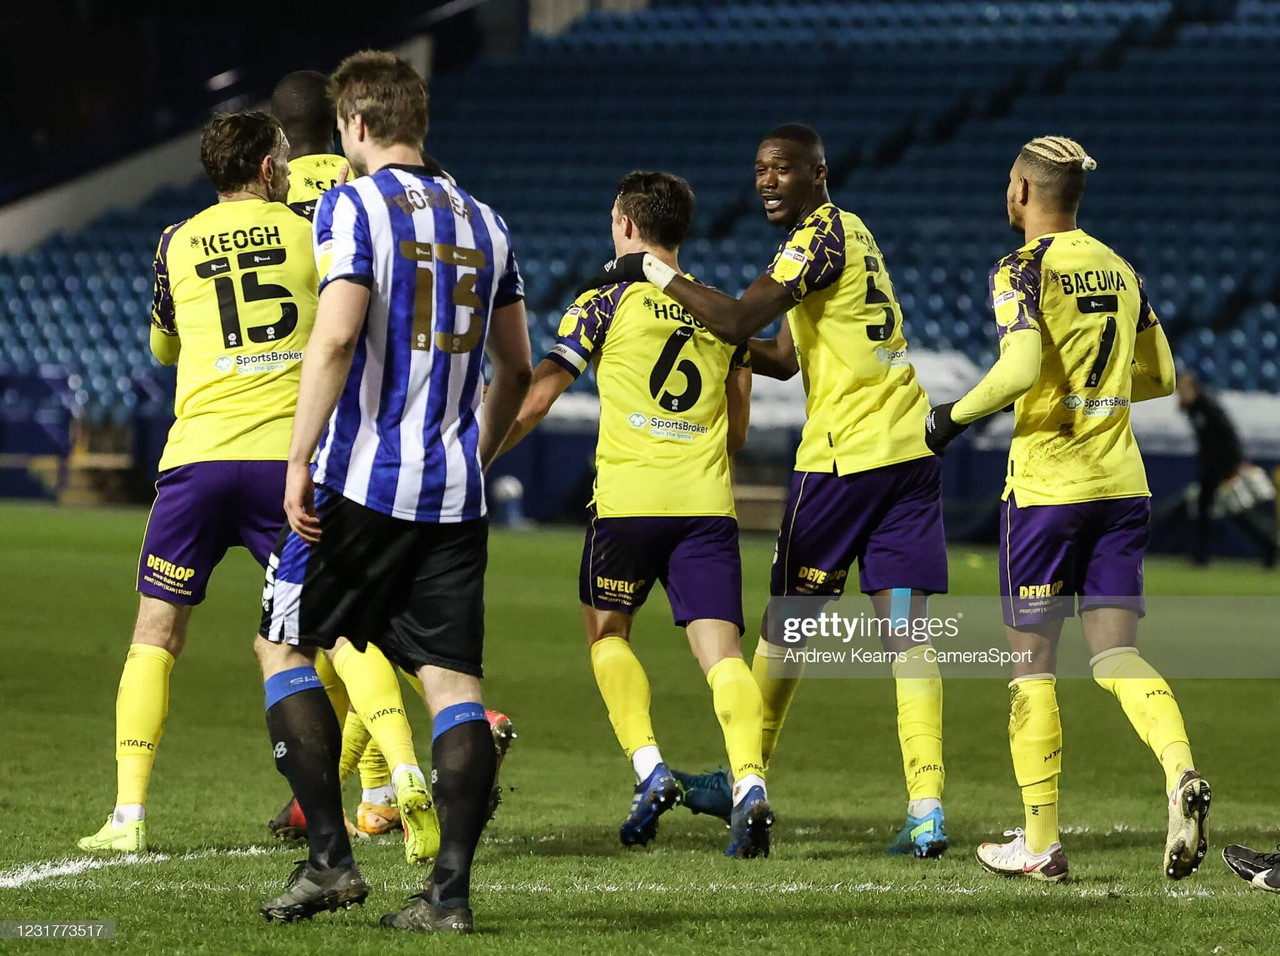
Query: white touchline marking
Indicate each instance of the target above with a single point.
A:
(30, 873)
(36, 872)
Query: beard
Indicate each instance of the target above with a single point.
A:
(278, 188)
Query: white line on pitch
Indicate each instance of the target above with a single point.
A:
(30, 873)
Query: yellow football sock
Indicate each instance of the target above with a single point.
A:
(356, 741)
(625, 689)
(142, 703)
(1035, 740)
(1150, 706)
(740, 710)
(919, 687)
(776, 691)
(333, 687)
(374, 771)
(375, 694)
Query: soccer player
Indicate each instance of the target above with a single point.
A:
(387, 537)
(301, 102)
(674, 405)
(234, 302)
(865, 485)
(1078, 343)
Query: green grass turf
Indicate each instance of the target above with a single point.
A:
(551, 876)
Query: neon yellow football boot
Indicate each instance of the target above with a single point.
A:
(128, 838)
(417, 818)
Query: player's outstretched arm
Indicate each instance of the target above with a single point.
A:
(339, 318)
(776, 357)
(1015, 371)
(550, 379)
(730, 320)
(509, 351)
(738, 404)
(1154, 373)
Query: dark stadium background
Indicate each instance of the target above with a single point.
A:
(922, 104)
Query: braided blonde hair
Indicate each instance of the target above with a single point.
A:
(1059, 150)
(1057, 166)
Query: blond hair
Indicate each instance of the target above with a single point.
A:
(1056, 165)
(1060, 150)
(387, 94)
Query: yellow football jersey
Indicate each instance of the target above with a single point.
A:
(310, 177)
(663, 408)
(864, 406)
(1071, 440)
(236, 284)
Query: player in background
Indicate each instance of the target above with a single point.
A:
(387, 536)
(865, 485)
(1078, 344)
(1257, 867)
(301, 103)
(234, 302)
(674, 405)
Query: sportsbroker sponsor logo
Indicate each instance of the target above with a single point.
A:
(257, 362)
(1102, 407)
(675, 428)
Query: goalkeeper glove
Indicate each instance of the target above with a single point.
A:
(940, 429)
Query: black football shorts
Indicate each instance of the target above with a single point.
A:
(415, 589)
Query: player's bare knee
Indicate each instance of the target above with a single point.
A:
(161, 624)
(274, 658)
(1035, 648)
(712, 641)
(600, 624)
(1106, 628)
(443, 688)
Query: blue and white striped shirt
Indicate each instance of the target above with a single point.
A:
(403, 438)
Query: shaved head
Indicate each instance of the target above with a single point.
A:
(791, 173)
(301, 103)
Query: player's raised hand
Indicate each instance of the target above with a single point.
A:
(300, 503)
(940, 429)
(343, 173)
(628, 268)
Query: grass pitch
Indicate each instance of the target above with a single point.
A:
(550, 876)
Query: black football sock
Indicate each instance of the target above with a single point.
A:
(306, 742)
(463, 764)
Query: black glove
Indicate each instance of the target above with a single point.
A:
(628, 268)
(939, 428)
